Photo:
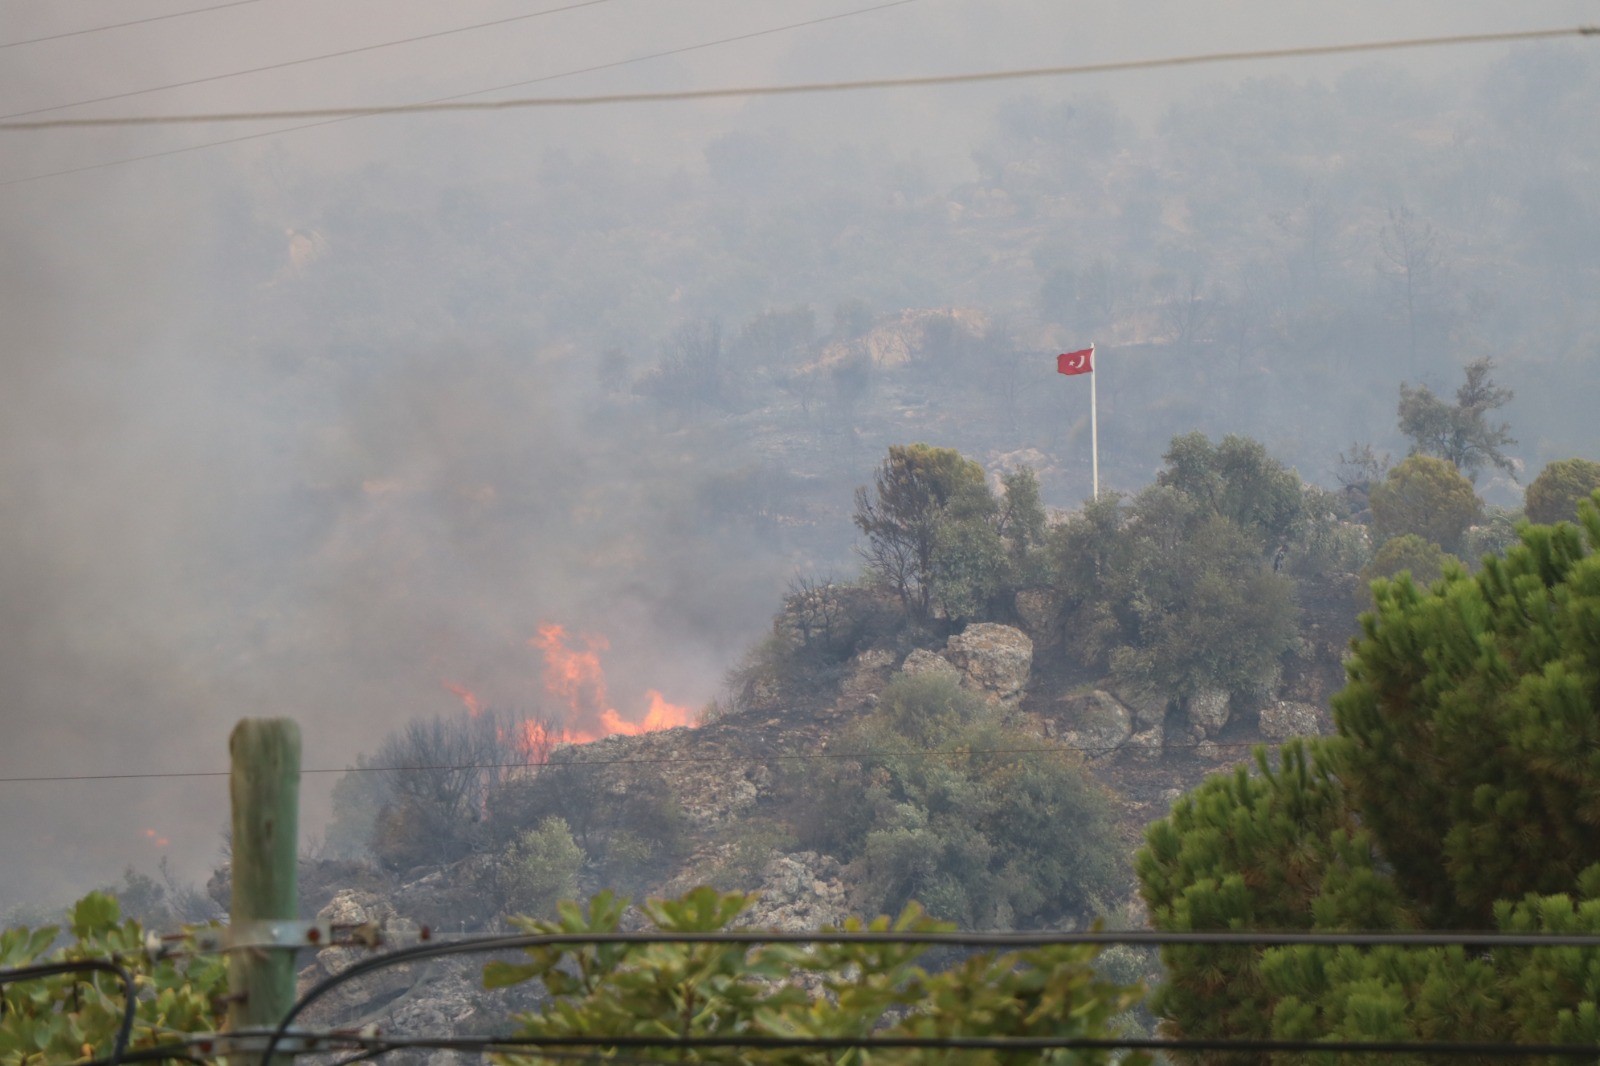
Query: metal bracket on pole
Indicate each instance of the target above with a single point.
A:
(294, 1042)
(272, 933)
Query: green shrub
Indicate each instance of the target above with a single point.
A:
(541, 869)
(1554, 495)
(76, 1016)
(1424, 560)
(997, 829)
(732, 990)
(1428, 497)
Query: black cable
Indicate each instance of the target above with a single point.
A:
(762, 759)
(803, 88)
(382, 1046)
(480, 945)
(459, 96)
(993, 1043)
(130, 22)
(119, 1047)
(308, 59)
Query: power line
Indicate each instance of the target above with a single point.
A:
(309, 59)
(459, 96)
(918, 753)
(801, 88)
(1000, 941)
(130, 22)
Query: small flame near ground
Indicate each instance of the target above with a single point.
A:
(156, 838)
(573, 675)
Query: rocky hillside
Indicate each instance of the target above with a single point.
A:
(728, 779)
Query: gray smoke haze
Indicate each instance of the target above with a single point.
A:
(312, 424)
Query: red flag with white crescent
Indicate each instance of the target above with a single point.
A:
(1079, 362)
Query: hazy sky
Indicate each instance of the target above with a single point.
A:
(188, 536)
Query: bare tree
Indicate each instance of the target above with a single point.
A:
(814, 608)
(1412, 259)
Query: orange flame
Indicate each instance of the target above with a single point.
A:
(573, 675)
(473, 704)
(156, 838)
(661, 715)
(576, 677)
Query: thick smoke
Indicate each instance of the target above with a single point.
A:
(245, 470)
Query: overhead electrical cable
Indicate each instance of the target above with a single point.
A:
(310, 59)
(998, 941)
(130, 22)
(461, 96)
(802, 88)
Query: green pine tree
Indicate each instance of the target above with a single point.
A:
(1462, 791)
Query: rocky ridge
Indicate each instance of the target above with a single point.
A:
(1146, 748)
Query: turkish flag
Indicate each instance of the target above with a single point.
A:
(1079, 362)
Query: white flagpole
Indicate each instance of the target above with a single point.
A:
(1094, 425)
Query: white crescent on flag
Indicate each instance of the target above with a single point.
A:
(1079, 362)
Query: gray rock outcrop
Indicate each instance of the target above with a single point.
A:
(799, 892)
(1208, 710)
(994, 660)
(1289, 718)
(1147, 743)
(923, 661)
(1094, 721)
(1147, 708)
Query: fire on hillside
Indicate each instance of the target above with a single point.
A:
(574, 677)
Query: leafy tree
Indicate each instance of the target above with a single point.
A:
(1459, 793)
(1460, 433)
(1554, 495)
(989, 836)
(1168, 592)
(1022, 519)
(1238, 480)
(970, 566)
(674, 991)
(915, 489)
(1427, 497)
(76, 1016)
(1408, 553)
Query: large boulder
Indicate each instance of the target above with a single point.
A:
(1148, 743)
(1148, 707)
(1208, 710)
(994, 660)
(1290, 718)
(1094, 721)
(799, 891)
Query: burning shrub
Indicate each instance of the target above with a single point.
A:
(420, 798)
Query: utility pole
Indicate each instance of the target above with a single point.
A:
(265, 788)
(1094, 428)
(1082, 362)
